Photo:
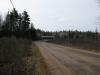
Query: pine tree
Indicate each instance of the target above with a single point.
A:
(14, 20)
(1, 20)
(25, 21)
(6, 23)
(20, 22)
(33, 32)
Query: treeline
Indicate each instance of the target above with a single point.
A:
(17, 24)
(71, 35)
(83, 40)
(74, 35)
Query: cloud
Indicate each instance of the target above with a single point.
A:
(58, 14)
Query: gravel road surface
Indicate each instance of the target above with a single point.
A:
(69, 61)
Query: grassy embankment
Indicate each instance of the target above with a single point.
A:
(86, 44)
(20, 57)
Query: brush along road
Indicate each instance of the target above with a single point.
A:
(69, 61)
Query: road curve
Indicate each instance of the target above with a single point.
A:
(69, 61)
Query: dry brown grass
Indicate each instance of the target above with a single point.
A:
(86, 44)
(40, 65)
(20, 57)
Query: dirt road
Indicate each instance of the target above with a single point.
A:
(69, 61)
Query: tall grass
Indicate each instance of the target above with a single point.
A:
(20, 57)
(12, 49)
(86, 44)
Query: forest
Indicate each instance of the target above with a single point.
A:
(18, 25)
(87, 40)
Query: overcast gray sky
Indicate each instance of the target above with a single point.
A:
(55, 15)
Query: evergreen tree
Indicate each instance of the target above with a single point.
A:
(6, 24)
(33, 32)
(96, 35)
(20, 22)
(14, 20)
(16, 24)
(25, 21)
(1, 20)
